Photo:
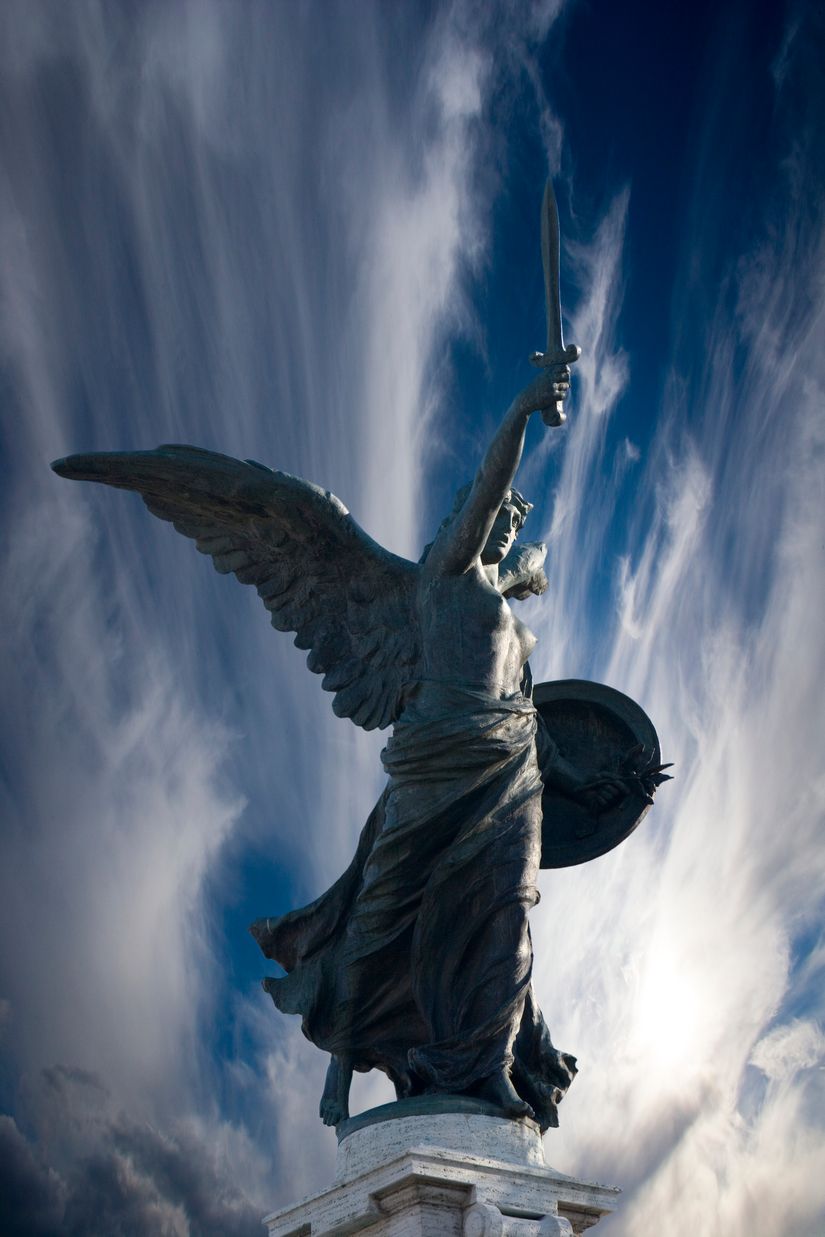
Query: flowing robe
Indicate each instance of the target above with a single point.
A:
(418, 960)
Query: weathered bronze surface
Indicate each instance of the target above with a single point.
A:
(418, 960)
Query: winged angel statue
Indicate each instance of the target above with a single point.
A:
(418, 960)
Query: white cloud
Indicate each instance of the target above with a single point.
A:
(785, 1050)
(317, 243)
(229, 258)
(671, 967)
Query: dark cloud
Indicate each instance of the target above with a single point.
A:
(32, 1196)
(147, 1183)
(111, 1174)
(60, 1079)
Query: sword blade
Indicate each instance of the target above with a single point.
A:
(550, 257)
(556, 353)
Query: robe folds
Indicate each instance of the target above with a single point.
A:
(418, 960)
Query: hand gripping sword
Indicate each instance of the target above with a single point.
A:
(556, 353)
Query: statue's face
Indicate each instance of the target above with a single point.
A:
(502, 534)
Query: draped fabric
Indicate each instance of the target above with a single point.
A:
(418, 960)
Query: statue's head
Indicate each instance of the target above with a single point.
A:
(507, 525)
(525, 576)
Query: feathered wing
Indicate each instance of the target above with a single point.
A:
(349, 601)
(521, 573)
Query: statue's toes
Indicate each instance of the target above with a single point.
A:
(331, 1112)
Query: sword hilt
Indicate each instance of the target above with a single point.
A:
(555, 416)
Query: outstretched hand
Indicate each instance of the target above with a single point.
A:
(639, 775)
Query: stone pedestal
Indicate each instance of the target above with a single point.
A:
(444, 1174)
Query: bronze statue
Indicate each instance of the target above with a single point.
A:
(418, 960)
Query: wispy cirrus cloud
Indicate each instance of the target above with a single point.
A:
(216, 227)
(679, 965)
(209, 214)
(101, 1170)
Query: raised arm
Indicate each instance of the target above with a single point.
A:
(461, 542)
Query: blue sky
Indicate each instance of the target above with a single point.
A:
(308, 234)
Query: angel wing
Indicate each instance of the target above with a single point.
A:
(521, 573)
(349, 601)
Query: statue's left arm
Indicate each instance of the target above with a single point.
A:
(460, 543)
(596, 789)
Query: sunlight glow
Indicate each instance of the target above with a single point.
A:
(668, 1010)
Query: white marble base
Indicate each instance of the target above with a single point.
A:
(446, 1175)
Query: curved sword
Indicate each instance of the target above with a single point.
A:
(556, 353)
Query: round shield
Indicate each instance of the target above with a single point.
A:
(597, 730)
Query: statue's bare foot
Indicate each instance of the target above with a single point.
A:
(331, 1112)
(498, 1089)
(334, 1106)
